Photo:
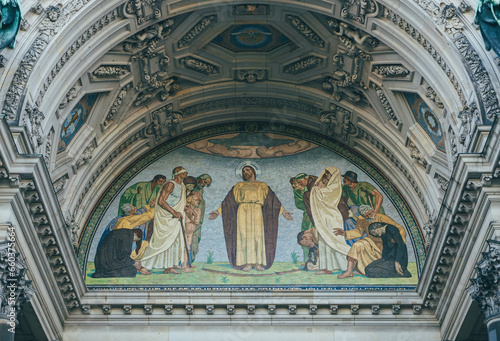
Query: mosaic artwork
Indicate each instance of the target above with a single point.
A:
(426, 118)
(251, 37)
(250, 211)
(75, 120)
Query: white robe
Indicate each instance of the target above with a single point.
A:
(332, 249)
(166, 248)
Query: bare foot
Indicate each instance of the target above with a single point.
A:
(259, 268)
(247, 268)
(176, 267)
(192, 266)
(171, 271)
(324, 272)
(345, 274)
(187, 270)
(144, 271)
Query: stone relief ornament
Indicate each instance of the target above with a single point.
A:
(25, 25)
(306, 31)
(338, 122)
(442, 182)
(165, 123)
(251, 76)
(415, 154)
(485, 288)
(431, 94)
(357, 9)
(199, 66)
(13, 282)
(70, 95)
(117, 104)
(37, 8)
(154, 87)
(86, 155)
(470, 118)
(350, 35)
(60, 183)
(148, 39)
(48, 148)
(205, 23)
(393, 70)
(111, 71)
(144, 10)
(34, 118)
(385, 102)
(257, 9)
(305, 64)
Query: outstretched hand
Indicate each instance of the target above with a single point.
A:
(339, 232)
(287, 215)
(213, 215)
(399, 269)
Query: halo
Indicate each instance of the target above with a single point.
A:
(247, 163)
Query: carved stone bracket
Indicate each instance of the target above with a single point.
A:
(416, 154)
(357, 9)
(15, 289)
(144, 10)
(60, 183)
(34, 123)
(251, 75)
(470, 118)
(338, 122)
(429, 228)
(86, 155)
(205, 23)
(165, 123)
(442, 182)
(155, 87)
(485, 288)
(251, 9)
(307, 32)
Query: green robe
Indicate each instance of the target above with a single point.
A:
(130, 196)
(360, 195)
(306, 221)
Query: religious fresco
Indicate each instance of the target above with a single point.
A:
(251, 211)
(75, 120)
(426, 118)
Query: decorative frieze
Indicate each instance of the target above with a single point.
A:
(48, 148)
(117, 103)
(233, 102)
(199, 66)
(307, 32)
(202, 25)
(251, 9)
(385, 102)
(485, 287)
(251, 75)
(302, 65)
(391, 70)
(431, 94)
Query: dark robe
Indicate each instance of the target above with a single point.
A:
(394, 250)
(488, 25)
(270, 215)
(112, 258)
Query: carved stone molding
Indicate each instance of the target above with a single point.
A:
(302, 65)
(60, 183)
(117, 104)
(251, 75)
(395, 161)
(33, 120)
(385, 102)
(86, 155)
(199, 66)
(485, 288)
(144, 43)
(429, 228)
(431, 94)
(205, 23)
(155, 87)
(307, 32)
(357, 9)
(418, 37)
(165, 123)
(37, 8)
(350, 36)
(48, 148)
(15, 289)
(416, 154)
(442, 182)
(70, 95)
(251, 9)
(25, 25)
(469, 118)
(233, 102)
(391, 70)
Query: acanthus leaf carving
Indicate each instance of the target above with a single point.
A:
(338, 122)
(70, 95)
(431, 94)
(111, 71)
(470, 118)
(205, 23)
(385, 102)
(442, 182)
(307, 32)
(86, 155)
(199, 65)
(251, 75)
(416, 154)
(391, 70)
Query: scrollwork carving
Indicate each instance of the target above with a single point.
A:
(205, 23)
(303, 65)
(199, 65)
(251, 76)
(392, 70)
(306, 31)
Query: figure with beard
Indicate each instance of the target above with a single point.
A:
(368, 249)
(250, 215)
(197, 185)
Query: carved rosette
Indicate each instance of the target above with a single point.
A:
(485, 288)
(15, 289)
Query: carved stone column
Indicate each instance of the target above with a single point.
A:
(485, 288)
(15, 290)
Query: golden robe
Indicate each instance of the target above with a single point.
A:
(369, 249)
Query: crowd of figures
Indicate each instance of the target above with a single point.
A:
(344, 227)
